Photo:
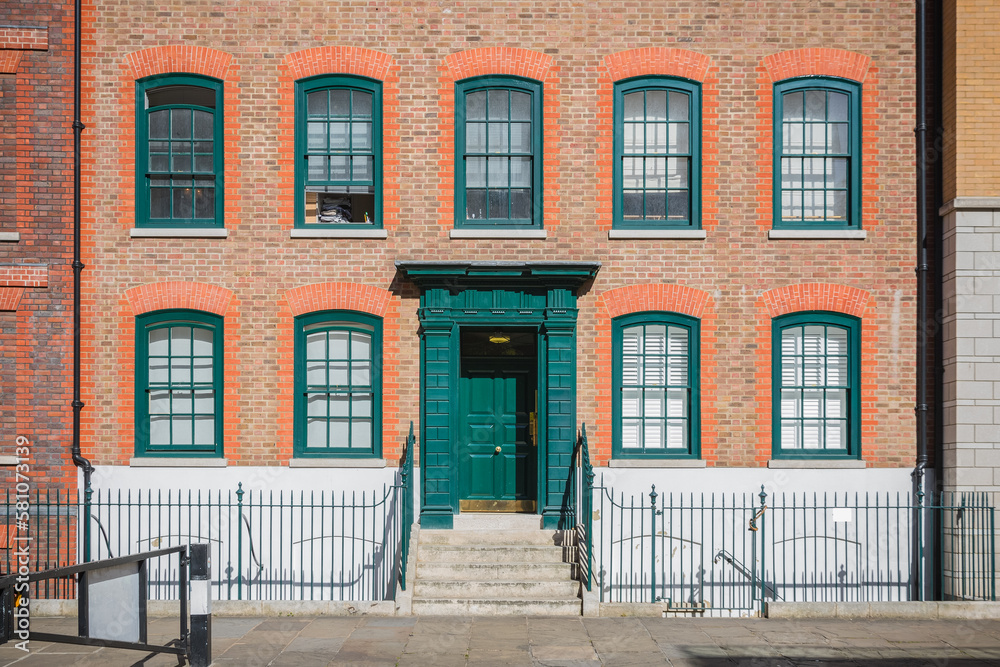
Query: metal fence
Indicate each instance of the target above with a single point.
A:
(727, 553)
(264, 544)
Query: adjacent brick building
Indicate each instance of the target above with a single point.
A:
(306, 227)
(36, 242)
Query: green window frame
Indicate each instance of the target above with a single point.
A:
(656, 410)
(178, 384)
(657, 153)
(338, 149)
(498, 153)
(338, 385)
(179, 151)
(816, 383)
(817, 154)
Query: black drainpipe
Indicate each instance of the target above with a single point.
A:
(78, 126)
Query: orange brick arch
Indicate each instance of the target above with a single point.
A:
(498, 60)
(657, 61)
(817, 62)
(339, 60)
(338, 296)
(816, 296)
(178, 59)
(664, 297)
(189, 295)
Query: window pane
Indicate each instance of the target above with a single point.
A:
(180, 124)
(202, 369)
(791, 404)
(837, 205)
(361, 435)
(679, 103)
(634, 138)
(632, 204)
(631, 371)
(498, 104)
(316, 136)
(839, 137)
(520, 204)
(183, 202)
(204, 402)
(656, 172)
(630, 402)
(679, 138)
(182, 428)
(677, 172)
(676, 434)
(362, 405)
(338, 136)
(634, 106)
(475, 172)
(815, 105)
(316, 373)
(159, 402)
(520, 172)
(815, 138)
(631, 434)
(836, 403)
(497, 172)
(790, 437)
(656, 138)
(317, 168)
(656, 371)
(158, 342)
(812, 434)
(361, 373)
(520, 106)
(159, 162)
(498, 204)
(520, 137)
(632, 340)
(362, 103)
(204, 430)
(340, 103)
(838, 107)
(792, 138)
(475, 137)
(159, 430)
(340, 433)
(159, 203)
(361, 136)
(839, 173)
(655, 341)
(656, 105)
(158, 371)
(159, 123)
(677, 371)
(316, 431)
(361, 345)
(475, 204)
(498, 137)
(203, 123)
(475, 105)
(340, 168)
(338, 341)
(676, 403)
(652, 437)
(812, 403)
(656, 204)
(677, 205)
(204, 203)
(791, 172)
(791, 106)
(316, 405)
(338, 373)
(181, 163)
(340, 405)
(364, 168)
(316, 103)
(836, 434)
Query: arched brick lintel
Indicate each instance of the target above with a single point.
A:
(338, 296)
(657, 296)
(178, 59)
(188, 295)
(816, 296)
(499, 61)
(657, 61)
(817, 62)
(339, 60)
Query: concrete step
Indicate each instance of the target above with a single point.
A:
(503, 590)
(493, 571)
(486, 607)
(496, 521)
(491, 553)
(499, 537)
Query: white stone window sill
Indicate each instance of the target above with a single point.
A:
(801, 464)
(691, 234)
(819, 234)
(657, 463)
(12, 237)
(178, 233)
(501, 233)
(339, 233)
(165, 462)
(9, 460)
(336, 463)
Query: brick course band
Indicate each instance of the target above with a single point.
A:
(24, 39)
(24, 276)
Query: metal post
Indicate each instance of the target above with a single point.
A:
(763, 548)
(200, 642)
(918, 578)
(652, 541)
(239, 541)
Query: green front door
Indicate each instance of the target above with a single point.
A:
(497, 453)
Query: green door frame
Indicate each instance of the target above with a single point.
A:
(536, 295)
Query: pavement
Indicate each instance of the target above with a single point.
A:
(535, 641)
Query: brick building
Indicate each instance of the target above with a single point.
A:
(36, 243)
(691, 229)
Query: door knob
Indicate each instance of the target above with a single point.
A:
(498, 449)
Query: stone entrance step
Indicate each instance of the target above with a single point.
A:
(496, 565)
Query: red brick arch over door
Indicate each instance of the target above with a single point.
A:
(340, 296)
(808, 297)
(652, 297)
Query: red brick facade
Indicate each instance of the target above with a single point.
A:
(36, 251)
(735, 280)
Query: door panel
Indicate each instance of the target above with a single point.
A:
(496, 455)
